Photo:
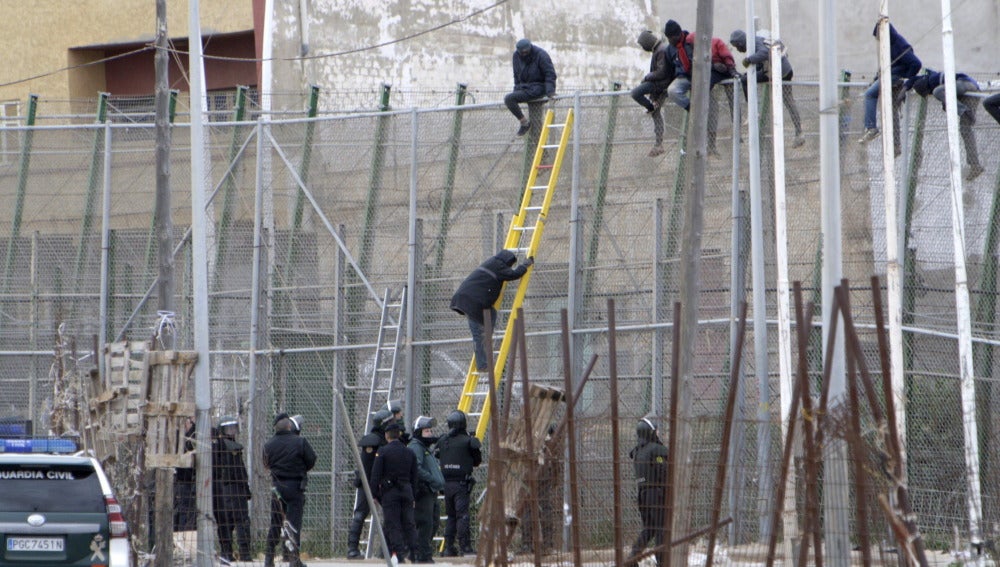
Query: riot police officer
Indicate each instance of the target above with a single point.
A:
(397, 414)
(368, 446)
(394, 475)
(459, 454)
(430, 482)
(230, 490)
(288, 457)
(649, 458)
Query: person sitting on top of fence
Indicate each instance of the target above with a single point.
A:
(534, 77)
(932, 83)
(654, 84)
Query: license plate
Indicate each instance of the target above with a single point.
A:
(35, 544)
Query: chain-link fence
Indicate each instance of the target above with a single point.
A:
(314, 219)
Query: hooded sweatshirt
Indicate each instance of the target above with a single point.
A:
(481, 288)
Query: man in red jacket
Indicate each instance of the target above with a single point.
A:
(681, 53)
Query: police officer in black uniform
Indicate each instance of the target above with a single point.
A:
(288, 457)
(368, 445)
(397, 415)
(459, 454)
(649, 457)
(394, 475)
(230, 490)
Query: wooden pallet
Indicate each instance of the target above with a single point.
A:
(169, 395)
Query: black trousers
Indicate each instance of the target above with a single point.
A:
(231, 515)
(289, 507)
(361, 512)
(400, 530)
(651, 510)
(456, 505)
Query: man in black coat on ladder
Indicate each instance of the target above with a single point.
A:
(480, 291)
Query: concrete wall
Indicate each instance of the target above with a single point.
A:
(592, 42)
(38, 35)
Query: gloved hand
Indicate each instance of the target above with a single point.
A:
(720, 68)
(734, 73)
(746, 62)
(529, 262)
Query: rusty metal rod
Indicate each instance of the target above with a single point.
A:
(668, 518)
(574, 502)
(649, 552)
(855, 442)
(803, 323)
(785, 462)
(720, 471)
(529, 438)
(616, 473)
(497, 465)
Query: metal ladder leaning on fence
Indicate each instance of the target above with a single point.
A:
(390, 335)
(523, 237)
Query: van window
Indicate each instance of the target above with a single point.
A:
(50, 488)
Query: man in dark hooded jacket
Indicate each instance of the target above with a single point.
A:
(534, 77)
(649, 457)
(654, 84)
(368, 446)
(905, 65)
(480, 291)
(932, 83)
(761, 59)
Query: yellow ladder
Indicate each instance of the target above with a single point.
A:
(529, 224)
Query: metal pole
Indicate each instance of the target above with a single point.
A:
(410, 392)
(780, 221)
(575, 312)
(893, 269)
(102, 329)
(690, 267)
(199, 283)
(835, 496)
(962, 308)
(659, 310)
(255, 291)
(737, 296)
(759, 300)
(162, 220)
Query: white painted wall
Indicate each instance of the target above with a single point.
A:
(592, 42)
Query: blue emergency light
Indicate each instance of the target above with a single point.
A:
(53, 445)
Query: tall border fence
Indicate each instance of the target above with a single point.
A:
(349, 206)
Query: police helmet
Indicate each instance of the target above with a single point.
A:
(645, 428)
(228, 425)
(381, 418)
(424, 422)
(456, 420)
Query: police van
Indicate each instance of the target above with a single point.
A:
(57, 506)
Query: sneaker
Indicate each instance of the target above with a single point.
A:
(973, 172)
(657, 151)
(354, 554)
(450, 552)
(798, 141)
(869, 135)
(525, 126)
